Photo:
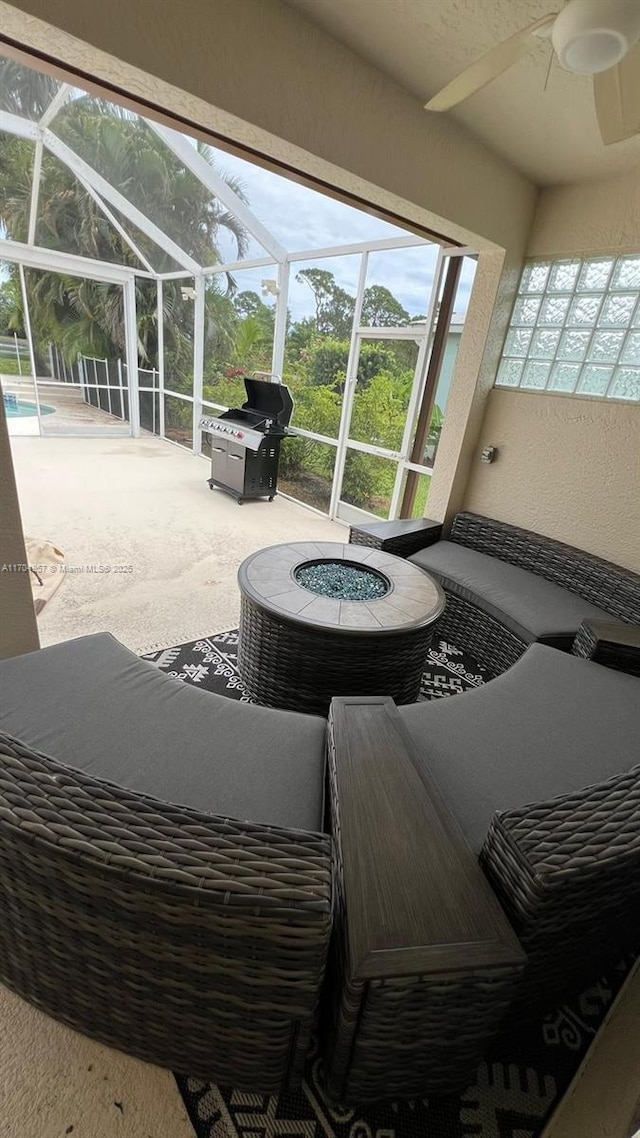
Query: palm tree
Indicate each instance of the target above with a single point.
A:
(23, 91)
(80, 314)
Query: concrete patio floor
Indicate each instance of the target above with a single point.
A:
(151, 553)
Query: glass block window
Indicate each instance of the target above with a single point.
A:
(575, 329)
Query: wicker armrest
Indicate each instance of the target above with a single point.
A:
(567, 872)
(194, 941)
(424, 961)
(611, 643)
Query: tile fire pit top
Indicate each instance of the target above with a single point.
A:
(271, 579)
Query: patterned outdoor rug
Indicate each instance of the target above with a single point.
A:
(212, 664)
(523, 1076)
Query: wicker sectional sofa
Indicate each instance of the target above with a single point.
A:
(508, 587)
(173, 882)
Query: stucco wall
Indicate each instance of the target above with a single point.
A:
(569, 467)
(266, 76)
(18, 629)
(566, 467)
(594, 217)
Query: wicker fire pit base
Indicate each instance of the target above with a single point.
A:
(360, 624)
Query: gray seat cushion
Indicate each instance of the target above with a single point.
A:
(550, 725)
(95, 706)
(530, 606)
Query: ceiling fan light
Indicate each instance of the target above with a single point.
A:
(589, 36)
(594, 50)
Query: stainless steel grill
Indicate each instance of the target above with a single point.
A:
(245, 441)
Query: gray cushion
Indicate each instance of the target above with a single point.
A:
(550, 725)
(531, 607)
(95, 706)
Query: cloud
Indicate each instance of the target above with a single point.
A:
(303, 219)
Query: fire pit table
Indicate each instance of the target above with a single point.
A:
(320, 619)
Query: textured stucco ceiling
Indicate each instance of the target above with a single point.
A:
(551, 135)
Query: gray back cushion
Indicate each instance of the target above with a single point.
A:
(550, 725)
(531, 607)
(92, 704)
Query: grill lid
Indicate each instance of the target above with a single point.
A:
(269, 399)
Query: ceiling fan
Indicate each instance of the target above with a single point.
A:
(589, 37)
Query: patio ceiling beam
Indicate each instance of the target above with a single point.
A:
(210, 178)
(83, 170)
(408, 242)
(52, 260)
(61, 97)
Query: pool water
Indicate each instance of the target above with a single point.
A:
(21, 409)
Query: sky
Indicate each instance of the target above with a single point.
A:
(301, 218)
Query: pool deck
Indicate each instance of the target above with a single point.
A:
(72, 416)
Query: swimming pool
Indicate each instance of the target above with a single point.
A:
(21, 409)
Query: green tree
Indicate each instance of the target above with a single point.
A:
(300, 338)
(11, 315)
(248, 303)
(251, 341)
(254, 336)
(334, 306)
(381, 309)
(379, 410)
(304, 460)
(328, 358)
(25, 92)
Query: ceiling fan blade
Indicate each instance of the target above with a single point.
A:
(616, 93)
(488, 67)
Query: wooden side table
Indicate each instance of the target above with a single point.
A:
(401, 538)
(424, 962)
